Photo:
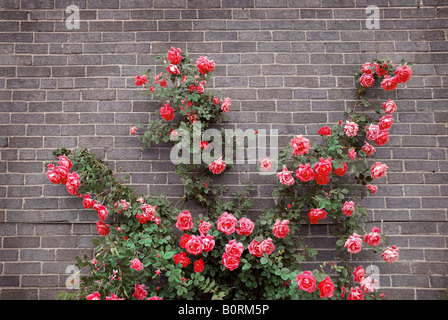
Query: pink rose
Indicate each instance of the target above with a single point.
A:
(173, 69)
(367, 80)
(230, 262)
(367, 285)
(358, 274)
(225, 105)
(267, 246)
(373, 189)
(348, 208)
(356, 294)
(341, 171)
(94, 296)
(386, 122)
(198, 266)
(254, 248)
(217, 166)
(374, 237)
(246, 227)
(316, 214)
(389, 84)
(194, 245)
(208, 242)
(305, 173)
(184, 221)
(306, 281)
(102, 212)
(154, 298)
(326, 288)
(403, 74)
(368, 148)
(227, 223)
(389, 106)
(378, 170)
(372, 131)
(204, 65)
(351, 128)
(136, 264)
(139, 291)
(174, 55)
(72, 183)
(204, 226)
(300, 145)
(324, 166)
(382, 138)
(265, 164)
(122, 205)
(65, 162)
(285, 177)
(281, 228)
(390, 255)
(234, 248)
(167, 112)
(140, 80)
(352, 153)
(52, 174)
(354, 243)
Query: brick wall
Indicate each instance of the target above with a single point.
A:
(286, 64)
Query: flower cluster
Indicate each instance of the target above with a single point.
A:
(61, 174)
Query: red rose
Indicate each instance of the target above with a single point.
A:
(208, 242)
(173, 69)
(367, 80)
(324, 166)
(358, 274)
(184, 239)
(316, 214)
(381, 70)
(204, 65)
(341, 171)
(374, 237)
(356, 294)
(194, 245)
(326, 288)
(102, 212)
(184, 221)
(368, 148)
(87, 201)
(182, 259)
(140, 80)
(254, 248)
(65, 162)
(267, 246)
(382, 138)
(102, 228)
(246, 227)
(386, 122)
(305, 173)
(174, 55)
(167, 112)
(403, 74)
(322, 179)
(230, 262)
(324, 131)
(139, 291)
(234, 248)
(389, 84)
(198, 266)
(227, 223)
(306, 281)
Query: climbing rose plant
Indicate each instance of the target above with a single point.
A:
(151, 249)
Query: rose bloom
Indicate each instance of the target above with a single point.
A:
(374, 237)
(281, 228)
(324, 166)
(254, 248)
(102, 228)
(265, 164)
(167, 112)
(204, 65)
(267, 246)
(173, 69)
(123, 205)
(348, 208)
(65, 162)
(113, 297)
(225, 105)
(368, 148)
(230, 262)
(208, 243)
(367, 80)
(198, 266)
(352, 153)
(322, 179)
(94, 296)
(300, 145)
(184, 239)
(372, 131)
(174, 55)
(382, 138)
(358, 274)
(53, 174)
(354, 243)
(351, 128)
(140, 80)
(380, 70)
(62, 173)
(326, 288)
(139, 291)
(204, 145)
(356, 294)
(367, 285)
(184, 221)
(136, 264)
(373, 189)
(133, 130)
(102, 212)
(324, 131)
(390, 255)
(403, 74)
(386, 122)
(246, 227)
(72, 183)
(182, 259)
(306, 281)
(204, 226)
(366, 68)
(389, 84)
(305, 173)
(316, 214)
(285, 177)
(194, 245)
(87, 201)
(217, 166)
(234, 248)
(389, 106)
(216, 101)
(154, 298)
(341, 171)
(227, 223)
(378, 170)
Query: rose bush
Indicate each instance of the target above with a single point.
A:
(152, 249)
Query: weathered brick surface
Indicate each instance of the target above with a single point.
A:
(286, 64)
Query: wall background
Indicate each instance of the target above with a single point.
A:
(285, 64)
